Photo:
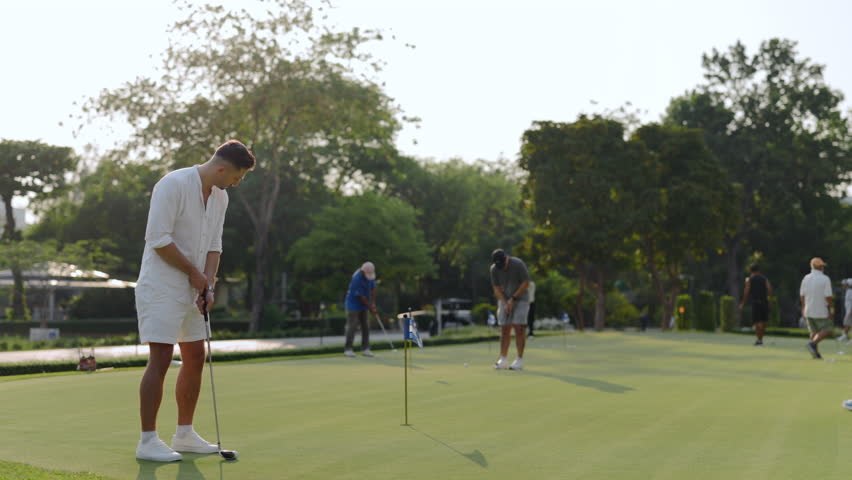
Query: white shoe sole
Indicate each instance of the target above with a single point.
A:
(188, 449)
(152, 458)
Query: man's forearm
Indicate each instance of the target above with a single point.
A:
(523, 288)
(211, 267)
(175, 258)
(498, 292)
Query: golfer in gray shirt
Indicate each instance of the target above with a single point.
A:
(510, 279)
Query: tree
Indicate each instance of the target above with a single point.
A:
(779, 131)
(357, 229)
(30, 169)
(685, 206)
(466, 211)
(283, 84)
(110, 207)
(582, 210)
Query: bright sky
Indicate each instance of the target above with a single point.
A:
(481, 72)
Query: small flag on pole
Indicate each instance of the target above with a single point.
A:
(412, 333)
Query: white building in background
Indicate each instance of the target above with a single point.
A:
(20, 215)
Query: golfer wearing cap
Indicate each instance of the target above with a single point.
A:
(360, 298)
(817, 304)
(510, 279)
(847, 305)
(183, 242)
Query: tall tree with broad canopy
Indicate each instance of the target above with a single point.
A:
(35, 170)
(578, 190)
(356, 229)
(778, 129)
(685, 207)
(300, 95)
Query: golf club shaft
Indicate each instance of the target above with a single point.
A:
(379, 319)
(210, 359)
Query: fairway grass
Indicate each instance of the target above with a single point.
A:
(587, 406)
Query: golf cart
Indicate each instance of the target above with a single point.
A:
(453, 312)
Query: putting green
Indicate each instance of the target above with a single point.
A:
(609, 406)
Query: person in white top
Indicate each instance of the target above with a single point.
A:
(847, 306)
(531, 313)
(183, 243)
(817, 304)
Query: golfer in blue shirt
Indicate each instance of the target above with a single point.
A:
(360, 299)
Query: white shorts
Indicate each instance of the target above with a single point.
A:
(165, 319)
(519, 313)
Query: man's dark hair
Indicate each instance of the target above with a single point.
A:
(754, 268)
(237, 154)
(499, 258)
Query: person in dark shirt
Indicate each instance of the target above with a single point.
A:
(758, 290)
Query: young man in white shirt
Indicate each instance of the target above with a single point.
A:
(183, 243)
(817, 304)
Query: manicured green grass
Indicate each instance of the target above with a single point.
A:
(588, 406)
(20, 471)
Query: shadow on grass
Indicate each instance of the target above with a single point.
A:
(475, 456)
(187, 470)
(586, 382)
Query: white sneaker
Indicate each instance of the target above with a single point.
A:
(843, 338)
(367, 353)
(518, 364)
(501, 364)
(157, 451)
(193, 443)
(348, 353)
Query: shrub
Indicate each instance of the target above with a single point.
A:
(480, 312)
(620, 312)
(727, 313)
(705, 311)
(684, 312)
(103, 303)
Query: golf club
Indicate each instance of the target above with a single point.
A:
(226, 454)
(379, 319)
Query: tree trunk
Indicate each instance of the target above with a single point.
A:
(581, 320)
(19, 307)
(733, 248)
(666, 304)
(18, 298)
(600, 302)
(261, 218)
(9, 227)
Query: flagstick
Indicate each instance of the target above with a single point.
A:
(405, 343)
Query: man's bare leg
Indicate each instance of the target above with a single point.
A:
(505, 339)
(151, 387)
(520, 339)
(192, 355)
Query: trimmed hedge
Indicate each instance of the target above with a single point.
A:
(49, 367)
(705, 311)
(727, 313)
(684, 312)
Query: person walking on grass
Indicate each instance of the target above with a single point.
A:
(510, 279)
(531, 314)
(360, 298)
(183, 243)
(847, 306)
(817, 305)
(758, 290)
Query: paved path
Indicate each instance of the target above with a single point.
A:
(129, 351)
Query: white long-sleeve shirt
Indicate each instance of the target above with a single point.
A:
(177, 215)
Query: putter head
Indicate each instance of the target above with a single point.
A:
(228, 454)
